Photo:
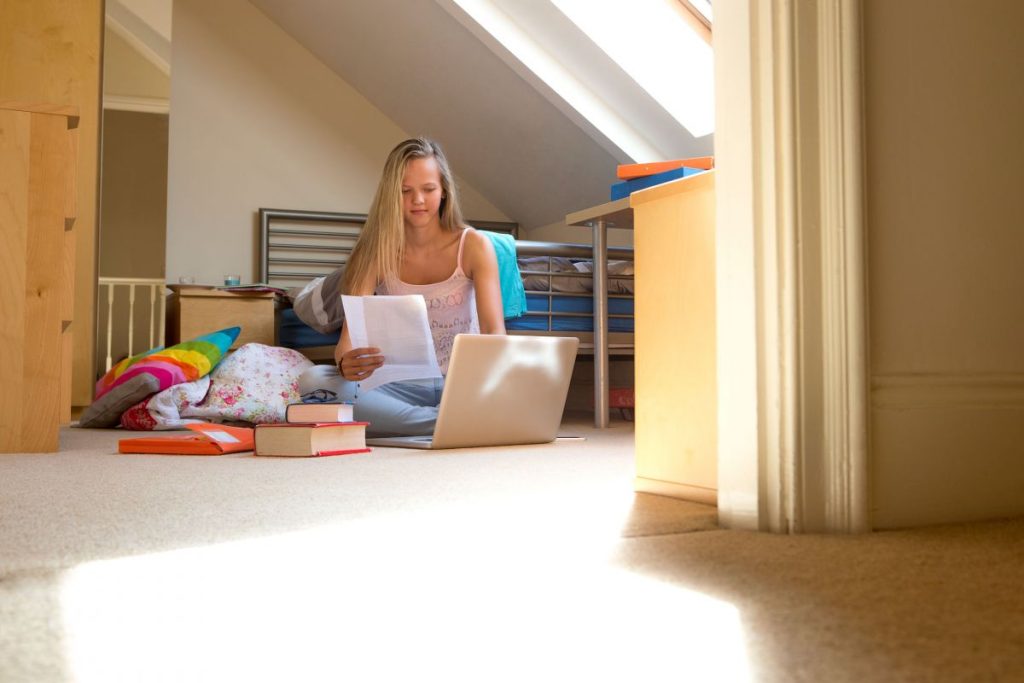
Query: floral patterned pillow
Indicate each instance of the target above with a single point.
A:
(253, 384)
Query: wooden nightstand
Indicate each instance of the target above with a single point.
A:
(193, 311)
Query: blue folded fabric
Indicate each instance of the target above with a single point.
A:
(628, 187)
(513, 295)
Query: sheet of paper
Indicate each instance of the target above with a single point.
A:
(399, 327)
(218, 435)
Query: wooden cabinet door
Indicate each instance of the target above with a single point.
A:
(37, 168)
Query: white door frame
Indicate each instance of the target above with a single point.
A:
(791, 284)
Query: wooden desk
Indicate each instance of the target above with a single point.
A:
(676, 371)
(617, 214)
(194, 311)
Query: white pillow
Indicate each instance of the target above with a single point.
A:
(319, 303)
(615, 285)
(558, 264)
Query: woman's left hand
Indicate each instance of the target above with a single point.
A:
(358, 364)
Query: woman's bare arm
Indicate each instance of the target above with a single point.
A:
(481, 266)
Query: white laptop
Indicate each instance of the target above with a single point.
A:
(500, 390)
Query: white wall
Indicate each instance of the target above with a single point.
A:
(945, 172)
(258, 121)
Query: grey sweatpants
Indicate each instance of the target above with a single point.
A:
(396, 409)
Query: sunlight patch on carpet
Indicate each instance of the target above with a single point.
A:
(458, 593)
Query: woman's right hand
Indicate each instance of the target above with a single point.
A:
(358, 364)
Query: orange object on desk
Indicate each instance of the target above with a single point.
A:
(632, 171)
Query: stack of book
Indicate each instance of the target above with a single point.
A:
(641, 176)
(312, 430)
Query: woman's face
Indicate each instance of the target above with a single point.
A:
(421, 192)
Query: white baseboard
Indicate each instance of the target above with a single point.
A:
(916, 392)
(946, 448)
(696, 494)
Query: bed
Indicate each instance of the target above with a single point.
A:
(297, 247)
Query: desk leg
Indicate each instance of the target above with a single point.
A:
(600, 324)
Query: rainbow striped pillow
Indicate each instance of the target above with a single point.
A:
(177, 364)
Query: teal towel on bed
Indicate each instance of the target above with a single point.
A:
(513, 296)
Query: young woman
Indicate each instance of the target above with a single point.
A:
(414, 242)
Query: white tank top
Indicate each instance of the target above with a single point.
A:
(451, 306)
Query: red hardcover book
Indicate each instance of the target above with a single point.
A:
(308, 440)
(630, 171)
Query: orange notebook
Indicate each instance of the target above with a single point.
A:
(209, 439)
(630, 171)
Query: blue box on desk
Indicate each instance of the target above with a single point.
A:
(628, 187)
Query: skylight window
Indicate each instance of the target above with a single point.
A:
(490, 15)
(637, 77)
(702, 6)
(654, 44)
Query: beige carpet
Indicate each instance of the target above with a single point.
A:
(525, 563)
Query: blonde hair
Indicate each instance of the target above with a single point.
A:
(381, 243)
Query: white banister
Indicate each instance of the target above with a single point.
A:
(131, 318)
(110, 320)
(157, 302)
(152, 314)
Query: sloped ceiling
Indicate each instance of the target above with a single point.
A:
(429, 74)
(433, 71)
